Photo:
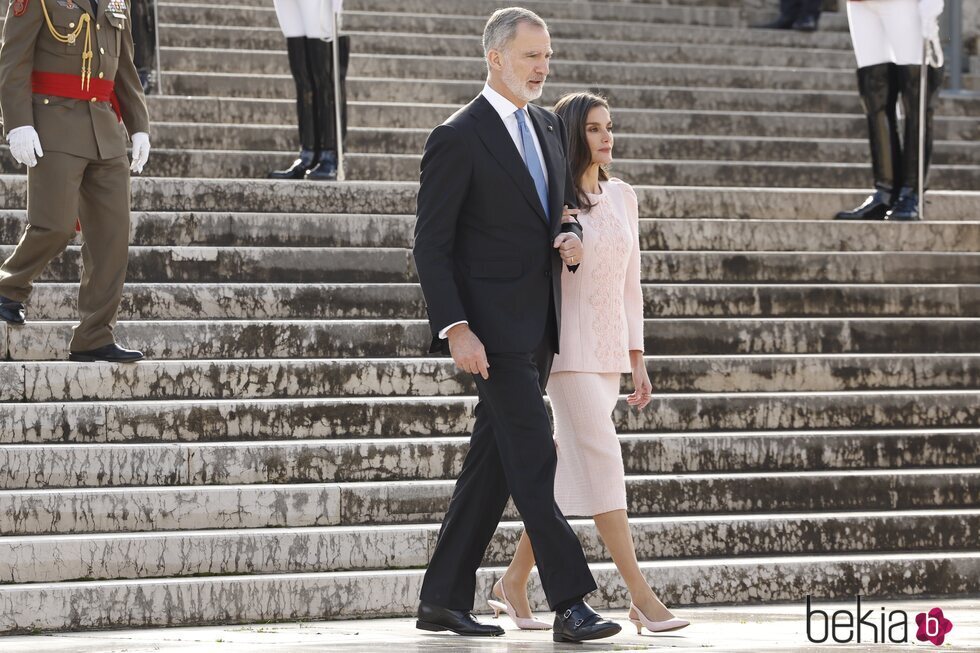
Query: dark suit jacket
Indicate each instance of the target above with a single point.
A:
(483, 245)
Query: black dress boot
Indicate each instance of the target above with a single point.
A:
(12, 311)
(878, 87)
(320, 60)
(296, 49)
(910, 77)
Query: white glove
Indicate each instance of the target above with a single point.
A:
(929, 13)
(141, 151)
(24, 145)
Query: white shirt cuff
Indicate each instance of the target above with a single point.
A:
(442, 334)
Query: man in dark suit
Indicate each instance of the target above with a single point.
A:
(489, 252)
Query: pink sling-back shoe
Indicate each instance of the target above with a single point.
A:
(522, 622)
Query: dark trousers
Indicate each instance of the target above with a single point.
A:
(796, 9)
(512, 453)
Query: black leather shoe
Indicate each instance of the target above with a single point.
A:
(906, 209)
(325, 168)
(110, 353)
(874, 208)
(462, 622)
(306, 160)
(806, 24)
(11, 311)
(580, 623)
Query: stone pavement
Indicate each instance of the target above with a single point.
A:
(758, 629)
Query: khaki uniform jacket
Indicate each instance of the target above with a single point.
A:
(81, 128)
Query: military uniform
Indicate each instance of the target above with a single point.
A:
(66, 68)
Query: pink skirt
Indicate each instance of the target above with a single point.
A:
(590, 479)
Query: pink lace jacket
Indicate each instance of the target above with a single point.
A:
(602, 303)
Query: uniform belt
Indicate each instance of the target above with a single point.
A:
(68, 86)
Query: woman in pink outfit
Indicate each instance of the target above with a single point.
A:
(601, 338)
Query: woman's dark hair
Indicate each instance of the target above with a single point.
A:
(574, 109)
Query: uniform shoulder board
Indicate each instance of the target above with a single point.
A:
(20, 6)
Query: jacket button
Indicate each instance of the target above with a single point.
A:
(101, 50)
(95, 99)
(97, 26)
(71, 24)
(46, 100)
(101, 75)
(547, 272)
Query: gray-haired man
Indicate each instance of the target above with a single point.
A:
(489, 252)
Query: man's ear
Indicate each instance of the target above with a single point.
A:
(495, 58)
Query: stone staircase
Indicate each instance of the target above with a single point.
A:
(287, 451)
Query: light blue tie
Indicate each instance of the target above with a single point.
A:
(532, 161)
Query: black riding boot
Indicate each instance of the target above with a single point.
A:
(906, 209)
(296, 49)
(878, 86)
(320, 58)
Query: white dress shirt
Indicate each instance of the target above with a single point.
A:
(507, 111)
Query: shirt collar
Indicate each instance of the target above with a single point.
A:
(504, 107)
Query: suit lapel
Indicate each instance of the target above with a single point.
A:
(497, 140)
(551, 149)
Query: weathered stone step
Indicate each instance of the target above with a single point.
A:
(265, 196)
(667, 46)
(205, 14)
(570, 71)
(196, 339)
(83, 510)
(47, 467)
(228, 229)
(141, 301)
(252, 379)
(253, 264)
(338, 595)
(628, 146)
(459, 92)
(270, 419)
(377, 264)
(201, 116)
(405, 167)
(51, 559)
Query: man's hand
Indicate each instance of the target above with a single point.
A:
(141, 151)
(25, 146)
(467, 350)
(570, 248)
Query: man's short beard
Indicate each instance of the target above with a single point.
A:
(518, 88)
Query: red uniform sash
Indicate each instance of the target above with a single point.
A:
(69, 86)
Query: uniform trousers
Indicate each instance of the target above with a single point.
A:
(60, 188)
(885, 31)
(309, 18)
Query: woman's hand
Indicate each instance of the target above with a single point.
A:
(568, 215)
(641, 384)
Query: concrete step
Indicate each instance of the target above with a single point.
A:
(629, 146)
(258, 230)
(45, 467)
(141, 301)
(608, 13)
(253, 379)
(274, 119)
(195, 339)
(385, 198)
(573, 70)
(402, 37)
(336, 595)
(405, 167)
(392, 265)
(459, 92)
(54, 558)
(270, 419)
(84, 510)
